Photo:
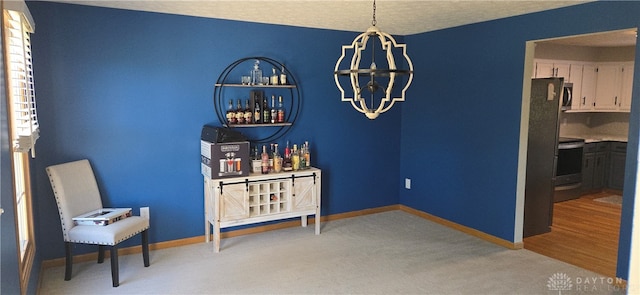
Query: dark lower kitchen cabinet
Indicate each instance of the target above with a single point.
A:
(594, 166)
(617, 158)
(599, 172)
(588, 166)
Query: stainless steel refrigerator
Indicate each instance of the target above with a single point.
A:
(542, 154)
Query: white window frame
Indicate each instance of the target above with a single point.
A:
(17, 25)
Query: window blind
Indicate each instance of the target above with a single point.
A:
(22, 98)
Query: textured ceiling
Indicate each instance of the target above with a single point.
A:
(397, 17)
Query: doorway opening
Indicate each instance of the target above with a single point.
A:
(589, 119)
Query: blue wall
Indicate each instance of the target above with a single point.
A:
(130, 91)
(461, 148)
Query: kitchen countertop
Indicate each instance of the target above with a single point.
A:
(597, 138)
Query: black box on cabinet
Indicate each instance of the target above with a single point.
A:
(222, 160)
(220, 134)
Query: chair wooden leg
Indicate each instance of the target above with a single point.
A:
(115, 276)
(101, 253)
(68, 262)
(145, 247)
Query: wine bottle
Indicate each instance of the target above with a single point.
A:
(286, 162)
(256, 161)
(277, 160)
(274, 112)
(307, 154)
(271, 153)
(303, 160)
(266, 112)
(283, 77)
(239, 113)
(295, 158)
(257, 115)
(231, 113)
(248, 114)
(265, 160)
(274, 77)
(280, 110)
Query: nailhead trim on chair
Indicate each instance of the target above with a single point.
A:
(117, 242)
(55, 193)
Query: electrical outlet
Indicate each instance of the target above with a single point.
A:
(144, 212)
(407, 183)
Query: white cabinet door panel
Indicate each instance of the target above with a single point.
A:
(234, 203)
(304, 193)
(607, 87)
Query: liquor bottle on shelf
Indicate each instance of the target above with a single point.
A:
(265, 160)
(280, 110)
(248, 114)
(295, 158)
(256, 74)
(256, 161)
(277, 160)
(307, 154)
(271, 153)
(274, 112)
(274, 77)
(257, 114)
(283, 77)
(286, 162)
(231, 113)
(239, 113)
(303, 160)
(266, 112)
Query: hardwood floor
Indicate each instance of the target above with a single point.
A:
(584, 233)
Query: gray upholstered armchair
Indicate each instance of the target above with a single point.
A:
(76, 191)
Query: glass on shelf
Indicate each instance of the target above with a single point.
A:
(246, 80)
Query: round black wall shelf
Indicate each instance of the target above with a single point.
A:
(228, 79)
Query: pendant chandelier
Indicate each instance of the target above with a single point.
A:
(371, 81)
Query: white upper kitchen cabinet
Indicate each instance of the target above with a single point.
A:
(575, 72)
(608, 86)
(597, 86)
(552, 68)
(587, 96)
(624, 103)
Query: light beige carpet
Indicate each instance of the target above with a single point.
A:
(386, 253)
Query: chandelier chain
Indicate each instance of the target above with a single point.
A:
(374, 22)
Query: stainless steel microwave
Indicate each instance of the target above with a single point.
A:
(567, 96)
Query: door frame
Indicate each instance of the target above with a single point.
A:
(631, 164)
